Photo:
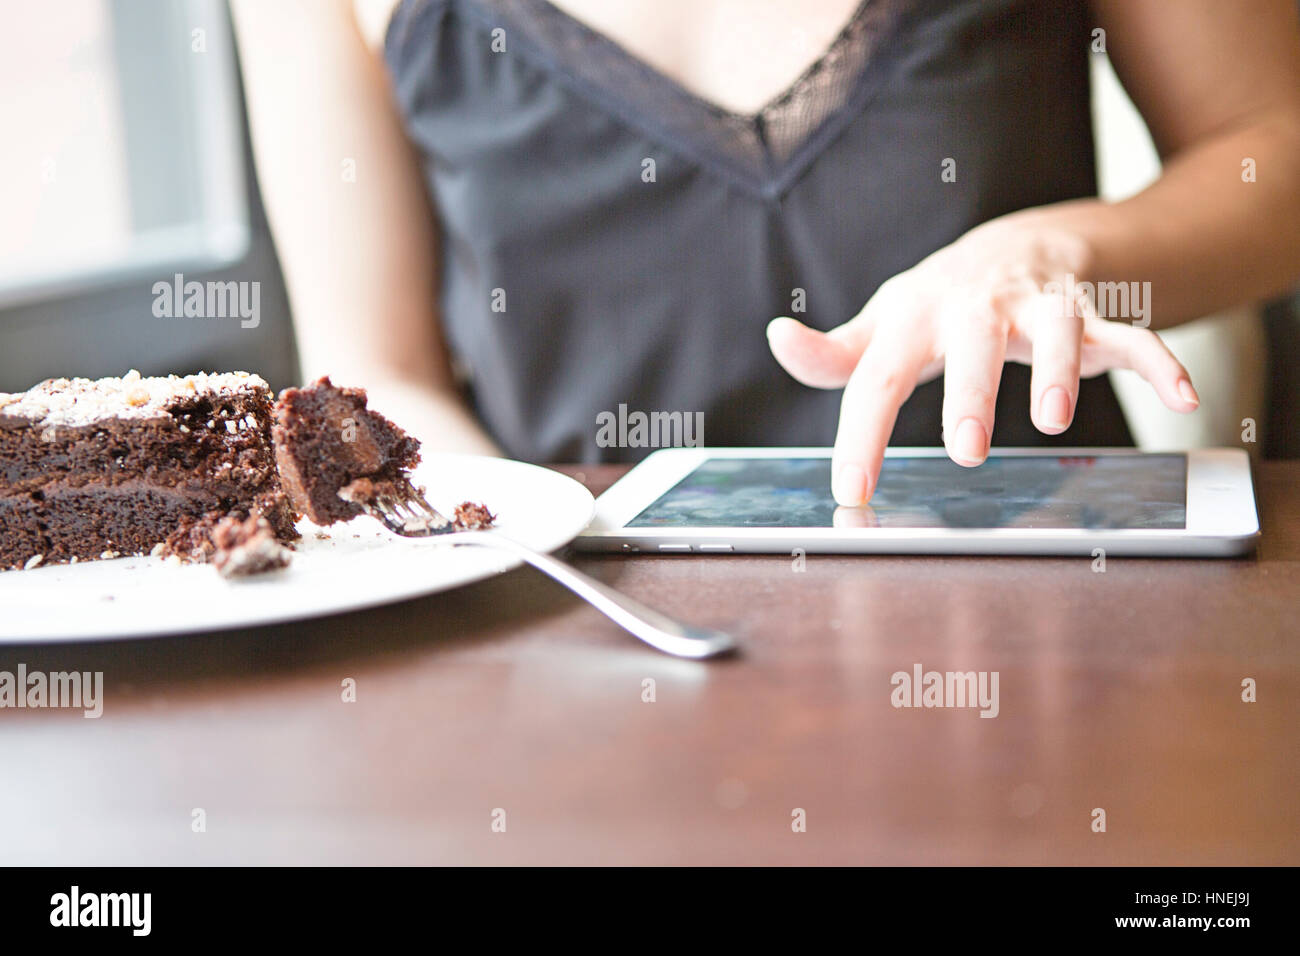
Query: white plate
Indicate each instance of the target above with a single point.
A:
(341, 568)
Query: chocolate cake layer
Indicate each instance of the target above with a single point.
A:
(89, 468)
(97, 521)
(325, 438)
(166, 451)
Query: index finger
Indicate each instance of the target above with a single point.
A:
(881, 382)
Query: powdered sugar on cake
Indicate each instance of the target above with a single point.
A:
(76, 402)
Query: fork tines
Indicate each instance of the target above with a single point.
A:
(408, 513)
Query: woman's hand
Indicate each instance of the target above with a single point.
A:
(1000, 293)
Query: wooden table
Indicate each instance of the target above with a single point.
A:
(1119, 690)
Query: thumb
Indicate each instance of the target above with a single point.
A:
(818, 359)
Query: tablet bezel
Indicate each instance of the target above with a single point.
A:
(1221, 514)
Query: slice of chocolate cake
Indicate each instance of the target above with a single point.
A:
(94, 469)
(326, 439)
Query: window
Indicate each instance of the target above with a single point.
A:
(123, 144)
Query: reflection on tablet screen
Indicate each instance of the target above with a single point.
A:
(1138, 492)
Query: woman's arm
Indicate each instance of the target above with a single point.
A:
(350, 216)
(1219, 84)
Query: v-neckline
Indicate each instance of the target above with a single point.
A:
(686, 121)
(661, 76)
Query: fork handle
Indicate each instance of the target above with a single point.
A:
(658, 630)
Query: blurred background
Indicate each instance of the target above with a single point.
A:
(126, 161)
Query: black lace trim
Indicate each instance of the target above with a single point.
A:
(759, 146)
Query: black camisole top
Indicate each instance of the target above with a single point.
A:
(609, 239)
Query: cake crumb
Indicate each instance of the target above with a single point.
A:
(472, 516)
(33, 561)
(246, 547)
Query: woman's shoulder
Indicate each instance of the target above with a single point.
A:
(373, 18)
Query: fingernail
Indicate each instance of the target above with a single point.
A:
(1189, 394)
(970, 444)
(1054, 407)
(850, 485)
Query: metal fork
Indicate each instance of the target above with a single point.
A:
(409, 514)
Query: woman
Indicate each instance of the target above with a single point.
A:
(625, 194)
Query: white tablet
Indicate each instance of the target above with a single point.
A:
(1020, 501)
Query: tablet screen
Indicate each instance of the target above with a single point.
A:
(1139, 492)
